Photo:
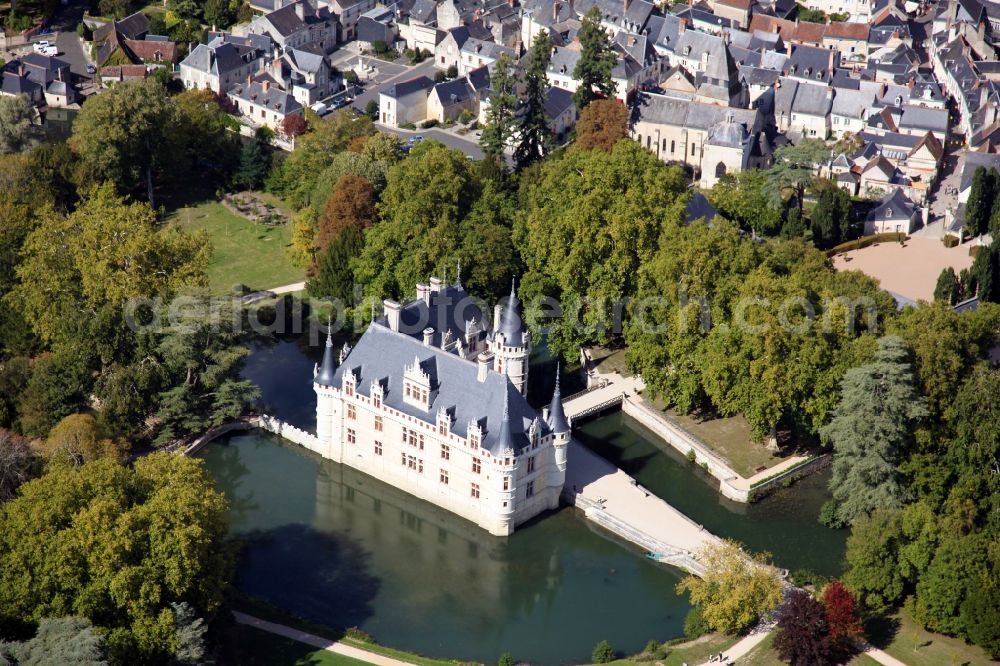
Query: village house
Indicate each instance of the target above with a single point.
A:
(45, 80)
(405, 102)
(299, 24)
(263, 103)
(894, 214)
(221, 64)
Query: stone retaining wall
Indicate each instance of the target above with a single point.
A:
(289, 432)
(807, 467)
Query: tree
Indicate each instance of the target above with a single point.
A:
(303, 248)
(831, 218)
(117, 545)
(124, 138)
(743, 198)
(425, 199)
(506, 660)
(55, 390)
(371, 109)
(352, 203)
(841, 616)
(202, 355)
(189, 631)
(873, 571)
(293, 126)
(603, 653)
(105, 253)
(18, 463)
(67, 640)
(801, 638)
(489, 258)
(534, 136)
(870, 430)
(17, 124)
(203, 147)
(984, 273)
(794, 168)
(500, 118)
(77, 439)
(737, 588)
(253, 166)
(793, 227)
(602, 124)
(363, 164)
(333, 277)
(597, 60)
(947, 287)
(218, 14)
(981, 196)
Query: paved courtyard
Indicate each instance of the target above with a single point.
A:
(909, 270)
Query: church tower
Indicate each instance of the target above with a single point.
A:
(511, 342)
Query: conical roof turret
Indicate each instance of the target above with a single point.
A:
(505, 438)
(557, 417)
(511, 324)
(326, 368)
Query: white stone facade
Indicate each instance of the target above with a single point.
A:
(424, 414)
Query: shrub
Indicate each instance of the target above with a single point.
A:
(865, 241)
(828, 516)
(440, 77)
(371, 109)
(359, 635)
(691, 456)
(603, 653)
(465, 117)
(409, 126)
(452, 72)
(380, 47)
(427, 124)
(694, 624)
(950, 241)
(506, 660)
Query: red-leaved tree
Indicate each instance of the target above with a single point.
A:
(293, 126)
(841, 615)
(802, 637)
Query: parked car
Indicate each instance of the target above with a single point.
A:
(91, 68)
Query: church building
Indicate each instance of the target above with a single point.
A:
(432, 400)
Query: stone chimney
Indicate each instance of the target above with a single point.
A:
(424, 293)
(682, 25)
(265, 85)
(829, 63)
(485, 363)
(300, 10)
(428, 336)
(435, 284)
(555, 11)
(392, 309)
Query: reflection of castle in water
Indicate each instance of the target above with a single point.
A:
(479, 573)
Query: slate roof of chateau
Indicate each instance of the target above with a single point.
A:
(382, 355)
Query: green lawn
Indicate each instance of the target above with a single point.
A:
(242, 252)
(914, 645)
(699, 650)
(255, 647)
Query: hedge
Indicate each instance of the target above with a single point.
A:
(950, 241)
(865, 241)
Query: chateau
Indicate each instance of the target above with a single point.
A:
(432, 401)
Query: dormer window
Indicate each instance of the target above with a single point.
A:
(474, 435)
(416, 385)
(348, 384)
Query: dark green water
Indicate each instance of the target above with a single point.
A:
(783, 524)
(335, 546)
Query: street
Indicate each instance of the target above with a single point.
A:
(71, 48)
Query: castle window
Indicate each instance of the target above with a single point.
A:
(348, 387)
(402, 458)
(477, 466)
(378, 448)
(529, 490)
(376, 399)
(473, 439)
(405, 434)
(378, 424)
(531, 464)
(351, 412)
(444, 477)
(445, 452)
(420, 441)
(352, 437)
(443, 428)
(412, 438)
(475, 490)
(506, 483)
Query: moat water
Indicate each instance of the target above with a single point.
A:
(340, 548)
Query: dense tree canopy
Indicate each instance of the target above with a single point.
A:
(597, 60)
(737, 588)
(602, 124)
(589, 223)
(116, 545)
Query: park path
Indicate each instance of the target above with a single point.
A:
(287, 289)
(318, 641)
